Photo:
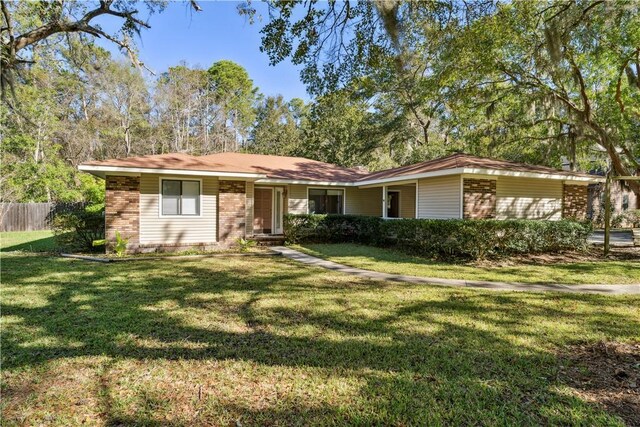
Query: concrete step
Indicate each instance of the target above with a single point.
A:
(269, 239)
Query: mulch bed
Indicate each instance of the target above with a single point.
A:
(608, 374)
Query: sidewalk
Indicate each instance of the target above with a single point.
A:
(497, 286)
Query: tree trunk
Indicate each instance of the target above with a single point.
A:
(616, 162)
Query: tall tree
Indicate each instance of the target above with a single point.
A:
(277, 129)
(572, 67)
(233, 91)
(530, 80)
(26, 25)
(183, 110)
(337, 130)
(124, 105)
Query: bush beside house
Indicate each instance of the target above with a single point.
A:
(442, 238)
(76, 230)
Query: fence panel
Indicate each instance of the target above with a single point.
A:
(32, 216)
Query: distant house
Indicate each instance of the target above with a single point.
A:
(172, 201)
(622, 201)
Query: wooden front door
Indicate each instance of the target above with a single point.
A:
(262, 210)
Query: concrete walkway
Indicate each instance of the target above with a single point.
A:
(476, 284)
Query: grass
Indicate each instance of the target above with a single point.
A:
(29, 241)
(267, 341)
(389, 261)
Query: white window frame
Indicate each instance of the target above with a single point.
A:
(344, 199)
(173, 178)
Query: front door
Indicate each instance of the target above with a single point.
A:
(262, 210)
(393, 204)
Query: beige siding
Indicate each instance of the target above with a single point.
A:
(528, 198)
(297, 199)
(249, 209)
(177, 230)
(363, 201)
(439, 197)
(407, 200)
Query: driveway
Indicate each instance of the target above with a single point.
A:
(617, 238)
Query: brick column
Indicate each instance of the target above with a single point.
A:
(122, 210)
(574, 201)
(231, 211)
(479, 198)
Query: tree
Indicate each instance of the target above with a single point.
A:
(277, 129)
(388, 53)
(183, 108)
(527, 80)
(33, 169)
(28, 24)
(570, 68)
(125, 105)
(337, 130)
(234, 93)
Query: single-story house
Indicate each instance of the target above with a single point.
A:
(172, 201)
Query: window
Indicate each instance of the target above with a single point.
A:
(326, 201)
(625, 202)
(180, 197)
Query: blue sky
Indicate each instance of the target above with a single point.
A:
(218, 32)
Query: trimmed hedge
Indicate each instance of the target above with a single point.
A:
(441, 238)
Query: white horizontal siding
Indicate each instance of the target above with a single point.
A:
(297, 199)
(177, 230)
(528, 198)
(364, 201)
(439, 197)
(407, 200)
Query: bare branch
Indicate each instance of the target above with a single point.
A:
(195, 6)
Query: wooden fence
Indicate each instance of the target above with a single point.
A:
(32, 216)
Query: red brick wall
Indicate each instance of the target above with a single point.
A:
(231, 211)
(574, 201)
(479, 198)
(122, 209)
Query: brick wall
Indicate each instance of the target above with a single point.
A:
(574, 201)
(122, 209)
(479, 198)
(232, 207)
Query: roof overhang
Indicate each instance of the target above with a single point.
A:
(479, 171)
(103, 171)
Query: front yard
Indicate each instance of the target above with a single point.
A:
(266, 341)
(29, 241)
(623, 269)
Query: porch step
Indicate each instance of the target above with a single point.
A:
(269, 239)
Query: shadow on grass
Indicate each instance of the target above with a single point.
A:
(438, 358)
(46, 244)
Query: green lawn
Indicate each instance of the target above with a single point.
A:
(29, 241)
(389, 261)
(267, 341)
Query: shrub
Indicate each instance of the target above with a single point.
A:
(331, 228)
(630, 218)
(76, 230)
(120, 247)
(245, 244)
(457, 238)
